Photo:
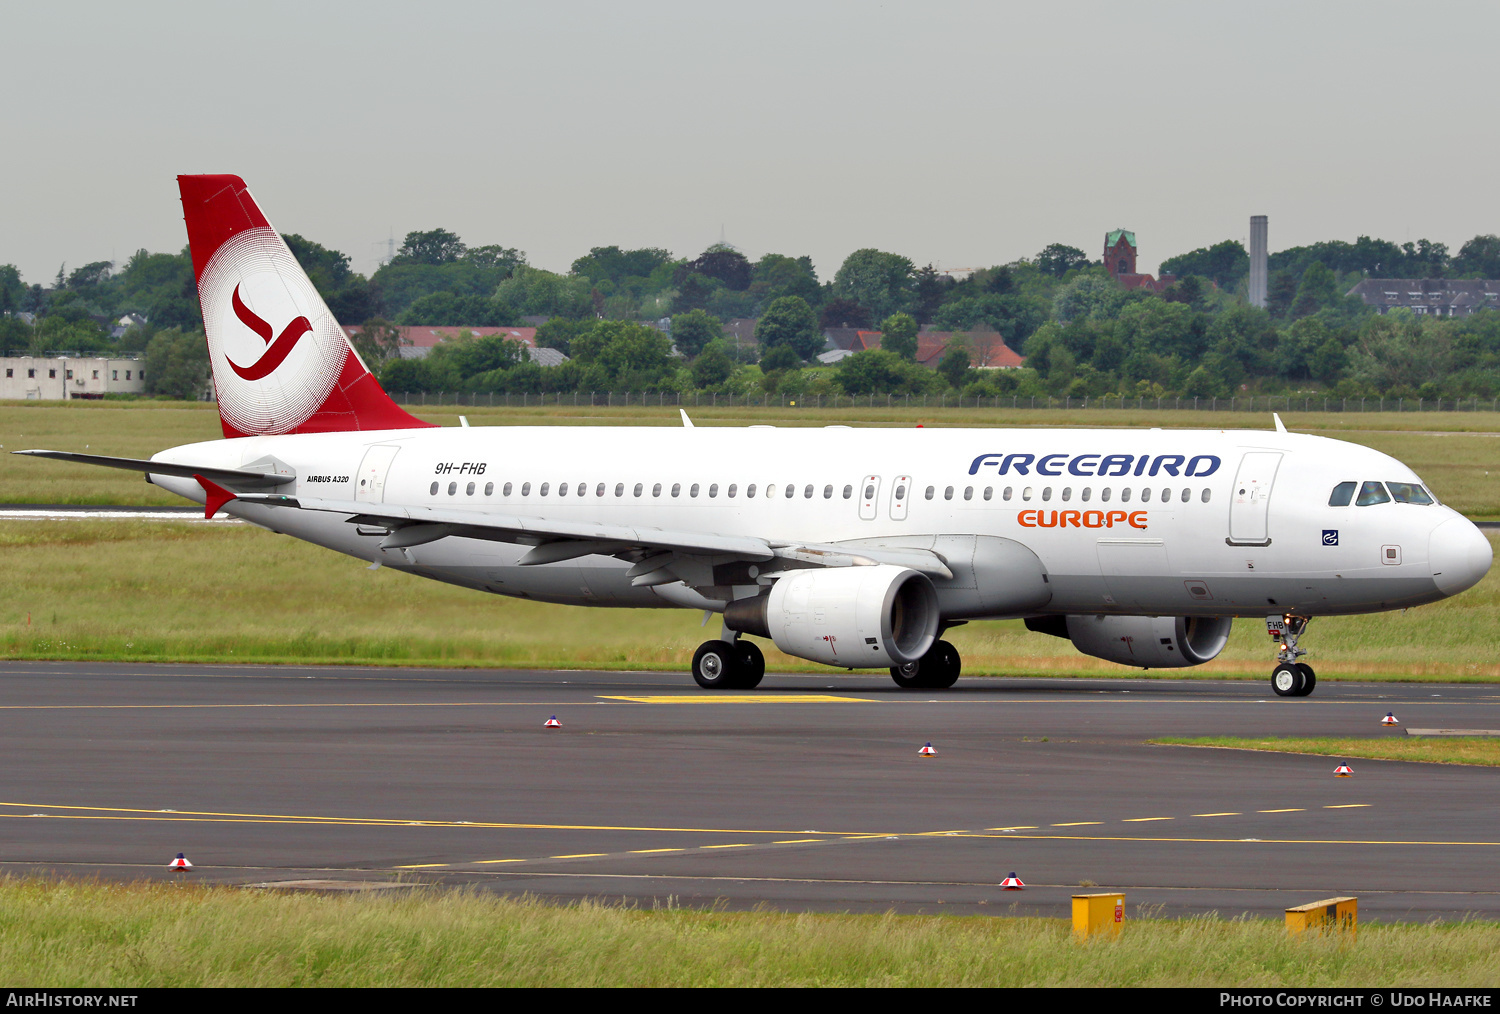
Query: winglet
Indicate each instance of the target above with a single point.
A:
(1280, 426)
(685, 420)
(218, 496)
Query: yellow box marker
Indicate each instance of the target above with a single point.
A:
(1079, 823)
(638, 852)
(741, 699)
(1098, 914)
(736, 845)
(1228, 813)
(422, 866)
(1347, 806)
(1138, 820)
(1338, 915)
(582, 855)
(1018, 827)
(487, 862)
(1293, 809)
(798, 841)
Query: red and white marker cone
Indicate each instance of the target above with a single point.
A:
(1389, 719)
(1343, 771)
(552, 723)
(180, 863)
(927, 751)
(1012, 883)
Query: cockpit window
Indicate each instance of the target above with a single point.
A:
(1371, 493)
(1408, 492)
(1342, 494)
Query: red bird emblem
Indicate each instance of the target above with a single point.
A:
(279, 349)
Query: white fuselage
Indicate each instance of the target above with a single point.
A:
(1158, 522)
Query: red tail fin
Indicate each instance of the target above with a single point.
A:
(281, 363)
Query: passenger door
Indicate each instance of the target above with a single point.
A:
(369, 484)
(1250, 500)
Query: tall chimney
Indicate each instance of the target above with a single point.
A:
(1258, 261)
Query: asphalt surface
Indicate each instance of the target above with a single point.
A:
(807, 794)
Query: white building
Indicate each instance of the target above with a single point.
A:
(32, 378)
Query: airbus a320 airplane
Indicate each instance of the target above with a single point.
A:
(855, 548)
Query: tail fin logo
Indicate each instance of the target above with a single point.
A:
(279, 349)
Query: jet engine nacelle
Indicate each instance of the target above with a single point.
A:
(853, 617)
(1150, 642)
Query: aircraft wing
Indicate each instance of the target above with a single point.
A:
(235, 477)
(552, 541)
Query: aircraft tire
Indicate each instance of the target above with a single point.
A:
(908, 676)
(1286, 680)
(941, 666)
(1309, 679)
(716, 665)
(752, 665)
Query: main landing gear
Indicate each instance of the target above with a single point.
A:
(1290, 678)
(728, 665)
(936, 670)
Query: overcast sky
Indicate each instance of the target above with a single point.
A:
(962, 134)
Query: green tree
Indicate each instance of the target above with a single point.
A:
(692, 332)
(1329, 362)
(1319, 288)
(725, 264)
(954, 367)
(845, 313)
(1089, 297)
(1225, 263)
(884, 282)
(1057, 259)
(790, 321)
(776, 275)
(377, 341)
(436, 246)
(12, 289)
(877, 371)
(898, 334)
(534, 292)
(713, 366)
(1479, 258)
(177, 365)
(559, 332)
(623, 355)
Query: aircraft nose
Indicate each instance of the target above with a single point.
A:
(1460, 555)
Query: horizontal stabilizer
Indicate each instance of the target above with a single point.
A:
(225, 476)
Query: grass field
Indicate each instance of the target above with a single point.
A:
(160, 591)
(1480, 750)
(113, 936)
(1457, 453)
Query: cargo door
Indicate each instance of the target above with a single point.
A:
(369, 484)
(1136, 572)
(1250, 500)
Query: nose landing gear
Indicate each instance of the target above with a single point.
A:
(1290, 678)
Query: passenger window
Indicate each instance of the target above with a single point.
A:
(693, 490)
(1204, 498)
(562, 489)
(1146, 495)
(807, 492)
(848, 492)
(638, 489)
(1408, 492)
(827, 492)
(506, 490)
(870, 491)
(452, 488)
(489, 489)
(1026, 494)
(989, 492)
(1006, 495)
(433, 490)
(1372, 493)
(901, 492)
(1342, 494)
(791, 491)
(470, 490)
(948, 493)
(1104, 494)
(619, 489)
(1067, 493)
(930, 492)
(1087, 492)
(599, 489)
(749, 491)
(1125, 495)
(1166, 496)
(713, 490)
(1047, 494)
(968, 492)
(656, 490)
(733, 486)
(676, 489)
(545, 487)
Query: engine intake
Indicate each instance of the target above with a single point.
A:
(853, 617)
(1147, 642)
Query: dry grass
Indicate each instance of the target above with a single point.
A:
(113, 936)
(1480, 750)
(160, 591)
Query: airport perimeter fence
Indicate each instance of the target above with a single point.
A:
(708, 399)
